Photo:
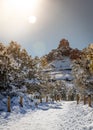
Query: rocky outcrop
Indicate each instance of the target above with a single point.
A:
(63, 43)
(63, 49)
(75, 54)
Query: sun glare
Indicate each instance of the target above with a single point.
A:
(23, 4)
(32, 19)
(17, 14)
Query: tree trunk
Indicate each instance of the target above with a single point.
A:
(84, 100)
(56, 98)
(59, 98)
(46, 98)
(89, 100)
(8, 105)
(21, 101)
(78, 98)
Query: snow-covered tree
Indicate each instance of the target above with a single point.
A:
(83, 71)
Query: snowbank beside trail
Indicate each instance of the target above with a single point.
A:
(51, 116)
(78, 117)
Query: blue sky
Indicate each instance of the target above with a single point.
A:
(56, 19)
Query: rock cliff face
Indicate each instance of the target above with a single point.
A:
(75, 54)
(63, 49)
(63, 43)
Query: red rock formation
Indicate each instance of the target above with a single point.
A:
(75, 54)
(63, 50)
(63, 43)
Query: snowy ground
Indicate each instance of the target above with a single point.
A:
(50, 116)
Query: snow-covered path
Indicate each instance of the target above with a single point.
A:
(57, 116)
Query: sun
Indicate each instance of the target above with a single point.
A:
(32, 19)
